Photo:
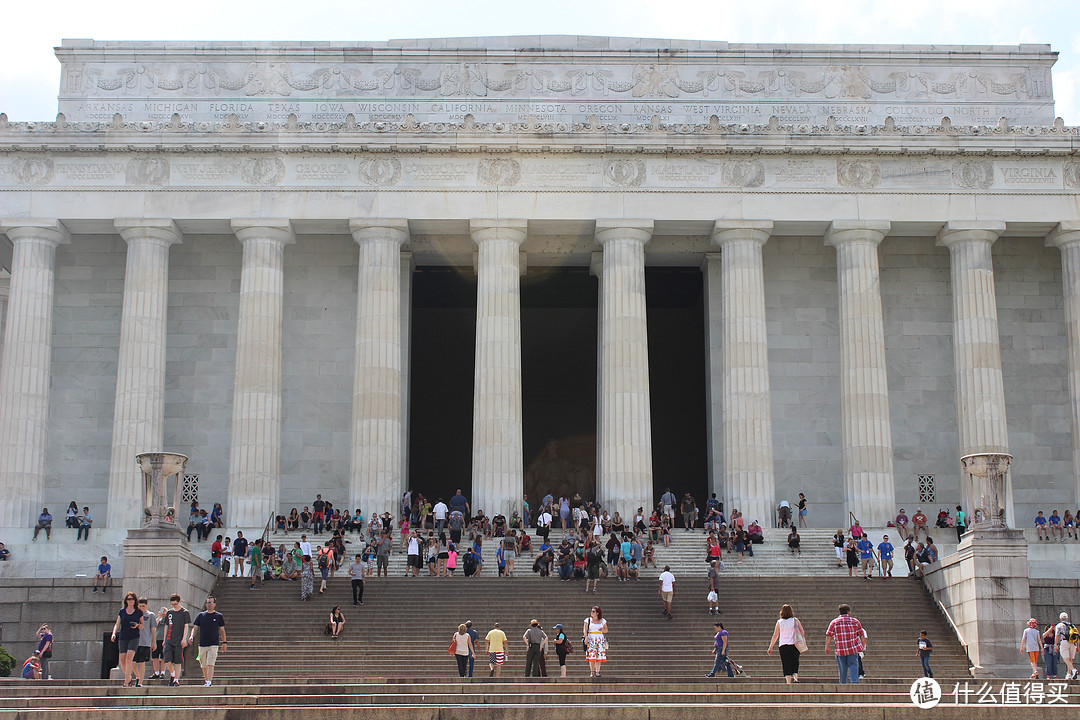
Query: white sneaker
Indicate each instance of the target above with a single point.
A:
(207, 684)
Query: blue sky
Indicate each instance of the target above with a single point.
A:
(30, 74)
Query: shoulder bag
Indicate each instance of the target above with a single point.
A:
(800, 640)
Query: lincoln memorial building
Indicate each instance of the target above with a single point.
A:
(531, 265)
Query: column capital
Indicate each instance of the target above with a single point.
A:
(485, 229)
(42, 229)
(725, 231)
(970, 231)
(628, 229)
(845, 231)
(1064, 235)
(161, 229)
(279, 229)
(395, 229)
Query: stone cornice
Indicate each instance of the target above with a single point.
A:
(1001, 139)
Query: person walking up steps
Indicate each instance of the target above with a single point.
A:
(667, 590)
(720, 650)
(1031, 645)
(495, 646)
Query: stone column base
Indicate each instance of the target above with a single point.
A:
(160, 562)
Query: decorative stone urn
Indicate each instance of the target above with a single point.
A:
(157, 469)
(986, 473)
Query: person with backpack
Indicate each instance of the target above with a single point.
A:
(1066, 639)
(563, 647)
(324, 560)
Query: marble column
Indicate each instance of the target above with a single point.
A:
(25, 362)
(139, 409)
(746, 415)
(625, 444)
(376, 482)
(980, 389)
(1066, 237)
(867, 455)
(713, 287)
(255, 443)
(596, 268)
(407, 267)
(497, 472)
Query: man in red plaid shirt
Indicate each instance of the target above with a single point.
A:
(848, 633)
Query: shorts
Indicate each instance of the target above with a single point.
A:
(1033, 655)
(594, 572)
(208, 655)
(867, 562)
(414, 561)
(155, 654)
(1067, 650)
(172, 653)
(382, 561)
(509, 554)
(325, 573)
(666, 595)
(496, 658)
(142, 654)
(444, 555)
(128, 645)
(886, 564)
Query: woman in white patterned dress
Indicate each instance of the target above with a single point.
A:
(595, 631)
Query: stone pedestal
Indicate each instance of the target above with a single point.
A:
(159, 562)
(984, 586)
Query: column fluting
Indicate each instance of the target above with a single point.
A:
(980, 387)
(139, 409)
(867, 454)
(25, 362)
(255, 444)
(625, 444)
(497, 472)
(746, 415)
(376, 481)
(712, 286)
(1066, 237)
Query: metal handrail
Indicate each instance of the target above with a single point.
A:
(851, 518)
(266, 528)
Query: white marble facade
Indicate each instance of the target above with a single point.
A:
(212, 249)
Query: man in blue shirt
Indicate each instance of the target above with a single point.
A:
(475, 638)
(460, 503)
(866, 554)
(1042, 532)
(885, 552)
(104, 574)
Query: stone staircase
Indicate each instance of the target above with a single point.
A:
(405, 624)
(685, 555)
(487, 699)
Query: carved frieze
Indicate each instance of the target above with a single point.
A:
(148, 170)
(1071, 174)
(499, 171)
(974, 174)
(380, 171)
(744, 173)
(32, 170)
(858, 174)
(625, 173)
(262, 170)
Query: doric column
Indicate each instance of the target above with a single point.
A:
(625, 445)
(255, 444)
(376, 482)
(713, 287)
(867, 457)
(25, 362)
(980, 389)
(497, 473)
(596, 268)
(746, 413)
(1066, 237)
(407, 268)
(139, 410)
